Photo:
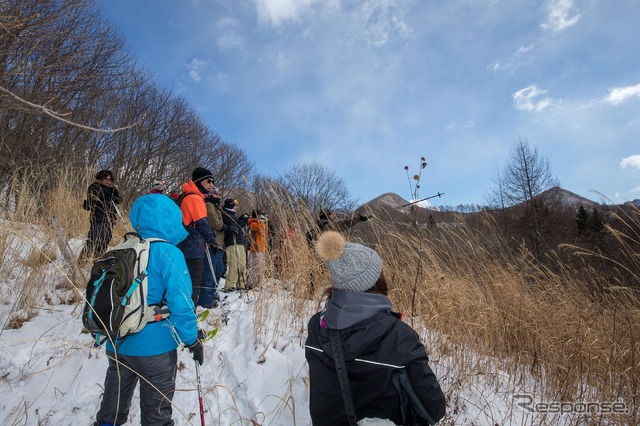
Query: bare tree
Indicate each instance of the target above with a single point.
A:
(317, 187)
(56, 59)
(64, 74)
(270, 195)
(231, 167)
(527, 175)
(524, 187)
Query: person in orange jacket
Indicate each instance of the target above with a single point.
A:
(194, 218)
(258, 235)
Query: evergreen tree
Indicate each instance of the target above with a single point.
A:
(596, 222)
(583, 220)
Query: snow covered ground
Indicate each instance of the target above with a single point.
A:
(254, 371)
(51, 374)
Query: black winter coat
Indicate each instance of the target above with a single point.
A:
(233, 233)
(101, 200)
(374, 349)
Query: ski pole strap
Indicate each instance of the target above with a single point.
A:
(343, 377)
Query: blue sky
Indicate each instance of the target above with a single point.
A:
(366, 87)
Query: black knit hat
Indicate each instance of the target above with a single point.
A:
(200, 173)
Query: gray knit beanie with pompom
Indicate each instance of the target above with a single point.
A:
(352, 266)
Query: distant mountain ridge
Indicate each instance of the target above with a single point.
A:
(390, 200)
(567, 198)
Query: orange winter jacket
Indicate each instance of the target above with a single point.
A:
(193, 207)
(258, 235)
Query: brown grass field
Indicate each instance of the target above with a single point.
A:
(491, 309)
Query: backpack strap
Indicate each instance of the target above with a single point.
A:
(341, 370)
(160, 310)
(179, 200)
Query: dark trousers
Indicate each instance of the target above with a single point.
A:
(153, 372)
(195, 267)
(98, 239)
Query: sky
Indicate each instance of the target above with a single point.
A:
(368, 87)
(254, 368)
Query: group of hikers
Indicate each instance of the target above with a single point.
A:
(219, 244)
(366, 366)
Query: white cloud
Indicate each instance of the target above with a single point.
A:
(516, 60)
(526, 99)
(228, 41)
(560, 15)
(194, 69)
(276, 12)
(381, 21)
(524, 49)
(617, 95)
(377, 21)
(632, 161)
(636, 190)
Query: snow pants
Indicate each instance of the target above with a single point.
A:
(158, 371)
(209, 290)
(237, 263)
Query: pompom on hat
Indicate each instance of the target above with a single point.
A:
(230, 203)
(352, 266)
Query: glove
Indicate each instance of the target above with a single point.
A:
(197, 351)
(201, 334)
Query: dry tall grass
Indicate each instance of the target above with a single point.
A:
(544, 327)
(32, 243)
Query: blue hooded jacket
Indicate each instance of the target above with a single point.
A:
(158, 216)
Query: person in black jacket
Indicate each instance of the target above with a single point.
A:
(383, 355)
(235, 248)
(102, 197)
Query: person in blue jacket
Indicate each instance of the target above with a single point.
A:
(150, 356)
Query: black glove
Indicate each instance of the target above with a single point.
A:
(197, 351)
(201, 334)
(363, 218)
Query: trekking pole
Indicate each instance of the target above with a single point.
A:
(124, 223)
(213, 274)
(200, 394)
(439, 194)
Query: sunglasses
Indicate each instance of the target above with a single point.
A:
(209, 180)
